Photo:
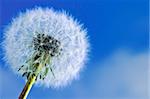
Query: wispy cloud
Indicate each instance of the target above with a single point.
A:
(123, 75)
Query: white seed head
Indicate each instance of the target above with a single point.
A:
(55, 33)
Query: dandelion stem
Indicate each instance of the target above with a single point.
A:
(30, 83)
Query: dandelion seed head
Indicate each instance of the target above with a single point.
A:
(55, 33)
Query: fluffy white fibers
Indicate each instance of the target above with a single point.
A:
(19, 37)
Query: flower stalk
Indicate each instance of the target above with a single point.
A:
(33, 77)
(30, 83)
(27, 87)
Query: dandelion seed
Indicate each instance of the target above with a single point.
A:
(47, 47)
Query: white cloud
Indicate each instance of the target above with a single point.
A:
(123, 75)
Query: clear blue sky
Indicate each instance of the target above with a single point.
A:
(118, 65)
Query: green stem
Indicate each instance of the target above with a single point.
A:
(30, 83)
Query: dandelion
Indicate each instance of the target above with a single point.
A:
(45, 47)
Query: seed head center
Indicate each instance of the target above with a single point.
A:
(47, 44)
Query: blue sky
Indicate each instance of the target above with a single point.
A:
(119, 38)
